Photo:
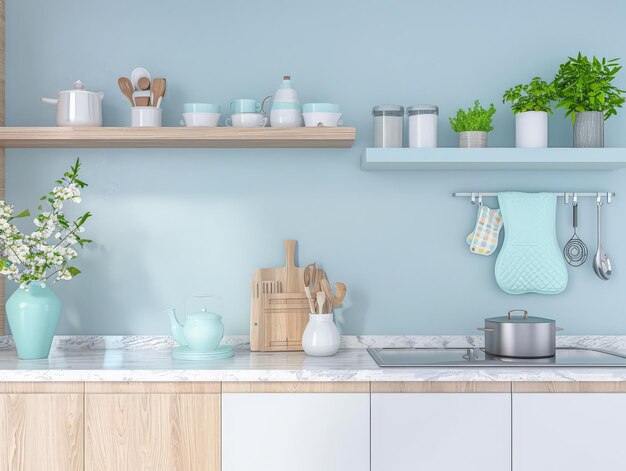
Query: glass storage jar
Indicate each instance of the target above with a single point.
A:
(388, 125)
(422, 125)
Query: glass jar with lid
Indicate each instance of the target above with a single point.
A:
(422, 125)
(388, 125)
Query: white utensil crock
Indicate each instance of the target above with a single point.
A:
(77, 107)
(321, 337)
(145, 117)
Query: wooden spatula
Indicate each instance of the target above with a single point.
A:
(158, 91)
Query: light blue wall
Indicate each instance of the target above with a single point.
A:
(173, 222)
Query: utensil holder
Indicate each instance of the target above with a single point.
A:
(321, 337)
(145, 117)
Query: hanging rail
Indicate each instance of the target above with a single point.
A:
(478, 196)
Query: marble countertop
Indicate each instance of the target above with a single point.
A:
(135, 358)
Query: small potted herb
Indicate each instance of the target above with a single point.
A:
(473, 124)
(531, 104)
(585, 90)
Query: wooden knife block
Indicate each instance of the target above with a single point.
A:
(280, 309)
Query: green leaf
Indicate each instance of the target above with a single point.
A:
(23, 214)
(73, 271)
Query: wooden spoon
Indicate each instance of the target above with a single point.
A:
(328, 292)
(158, 91)
(144, 85)
(127, 89)
(340, 293)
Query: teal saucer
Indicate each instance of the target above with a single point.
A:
(184, 353)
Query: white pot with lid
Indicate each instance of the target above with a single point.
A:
(77, 107)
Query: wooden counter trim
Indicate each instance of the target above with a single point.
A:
(165, 387)
(296, 387)
(441, 387)
(569, 387)
(34, 387)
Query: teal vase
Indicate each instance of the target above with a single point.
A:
(33, 316)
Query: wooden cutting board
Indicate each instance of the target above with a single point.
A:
(276, 321)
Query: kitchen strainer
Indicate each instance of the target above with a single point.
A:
(575, 251)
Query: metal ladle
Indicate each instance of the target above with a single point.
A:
(601, 261)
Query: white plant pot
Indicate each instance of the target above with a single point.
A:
(321, 337)
(470, 139)
(531, 129)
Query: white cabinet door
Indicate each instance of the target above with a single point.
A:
(441, 432)
(568, 431)
(295, 431)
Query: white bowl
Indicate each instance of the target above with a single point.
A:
(318, 118)
(286, 119)
(197, 118)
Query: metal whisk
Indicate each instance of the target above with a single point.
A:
(575, 251)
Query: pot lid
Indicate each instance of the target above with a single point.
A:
(78, 86)
(524, 318)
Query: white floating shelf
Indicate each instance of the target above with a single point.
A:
(494, 158)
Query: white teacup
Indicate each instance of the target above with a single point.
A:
(146, 116)
(247, 120)
(322, 118)
(200, 119)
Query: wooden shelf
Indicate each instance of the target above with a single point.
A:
(180, 137)
(493, 158)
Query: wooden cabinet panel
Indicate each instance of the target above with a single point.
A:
(296, 431)
(569, 431)
(152, 432)
(441, 431)
(41, 432)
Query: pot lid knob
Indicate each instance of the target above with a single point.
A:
(524, 311)
(78, 85)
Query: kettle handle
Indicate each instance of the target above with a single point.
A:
(50, 101)
(206, 297)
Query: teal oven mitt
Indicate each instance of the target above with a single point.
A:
(530, 260)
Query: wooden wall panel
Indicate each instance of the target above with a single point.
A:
(2, 186)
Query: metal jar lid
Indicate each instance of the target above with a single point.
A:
(388, 110)
(523, 319)
(422, 109)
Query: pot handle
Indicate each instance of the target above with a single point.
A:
(50, 101)
(486, 329)
(518, 310)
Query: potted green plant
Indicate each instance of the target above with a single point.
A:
(35, 258)
(586, 91)
(531, 103)
(473, 124)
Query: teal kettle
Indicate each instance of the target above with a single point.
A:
(203, 329)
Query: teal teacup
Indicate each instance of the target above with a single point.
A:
(245, 105)
(201, 108)
(320, 108)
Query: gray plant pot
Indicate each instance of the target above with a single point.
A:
(589, 129)
(469, 139)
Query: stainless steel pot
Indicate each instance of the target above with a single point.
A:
(520, 336)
